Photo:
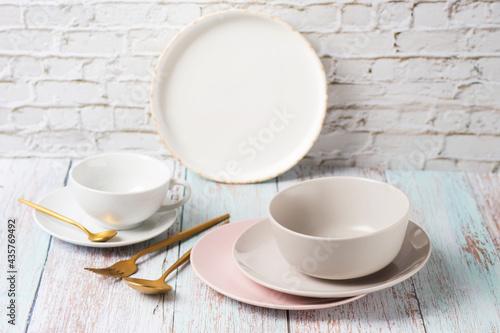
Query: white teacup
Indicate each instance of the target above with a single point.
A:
(122, 190)
(339, 227)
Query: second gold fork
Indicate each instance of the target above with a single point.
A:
(128, 267)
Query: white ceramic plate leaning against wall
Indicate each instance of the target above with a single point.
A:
(239, 96)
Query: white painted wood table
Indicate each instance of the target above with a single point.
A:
(457, 291)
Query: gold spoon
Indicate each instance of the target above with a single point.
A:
(158, 286)
(98, 237)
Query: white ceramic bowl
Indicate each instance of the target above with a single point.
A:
(339, 227)
(122, 190)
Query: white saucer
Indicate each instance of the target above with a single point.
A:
(239, 96)
(62, 202)
(258, 257)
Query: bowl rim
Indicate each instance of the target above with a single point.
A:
(80, 164)
(404, 218)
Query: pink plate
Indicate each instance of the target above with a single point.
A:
(213, 262)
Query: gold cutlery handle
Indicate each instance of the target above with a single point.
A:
(179, 262)
(181, 235)
(54, 214)
(185, 257)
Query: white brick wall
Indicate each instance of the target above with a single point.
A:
(412, 84)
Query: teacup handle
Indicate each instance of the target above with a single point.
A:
(182, 201)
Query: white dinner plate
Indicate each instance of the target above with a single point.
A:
(62, 201)
(257, 256)
(239, 96)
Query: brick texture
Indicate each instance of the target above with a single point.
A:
(412, 84)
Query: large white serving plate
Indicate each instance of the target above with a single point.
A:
(239, 96)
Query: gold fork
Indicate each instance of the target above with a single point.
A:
(159, 286)
(128, 267)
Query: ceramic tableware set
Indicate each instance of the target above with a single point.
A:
(325, 242)
(119, 191)
(240, 97)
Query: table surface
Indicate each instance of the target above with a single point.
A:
(458, 289)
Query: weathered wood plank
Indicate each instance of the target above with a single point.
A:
(71, 299)
(458, 289)
(486, 187)
(28, 179)
(198, 308)
(393, 309)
